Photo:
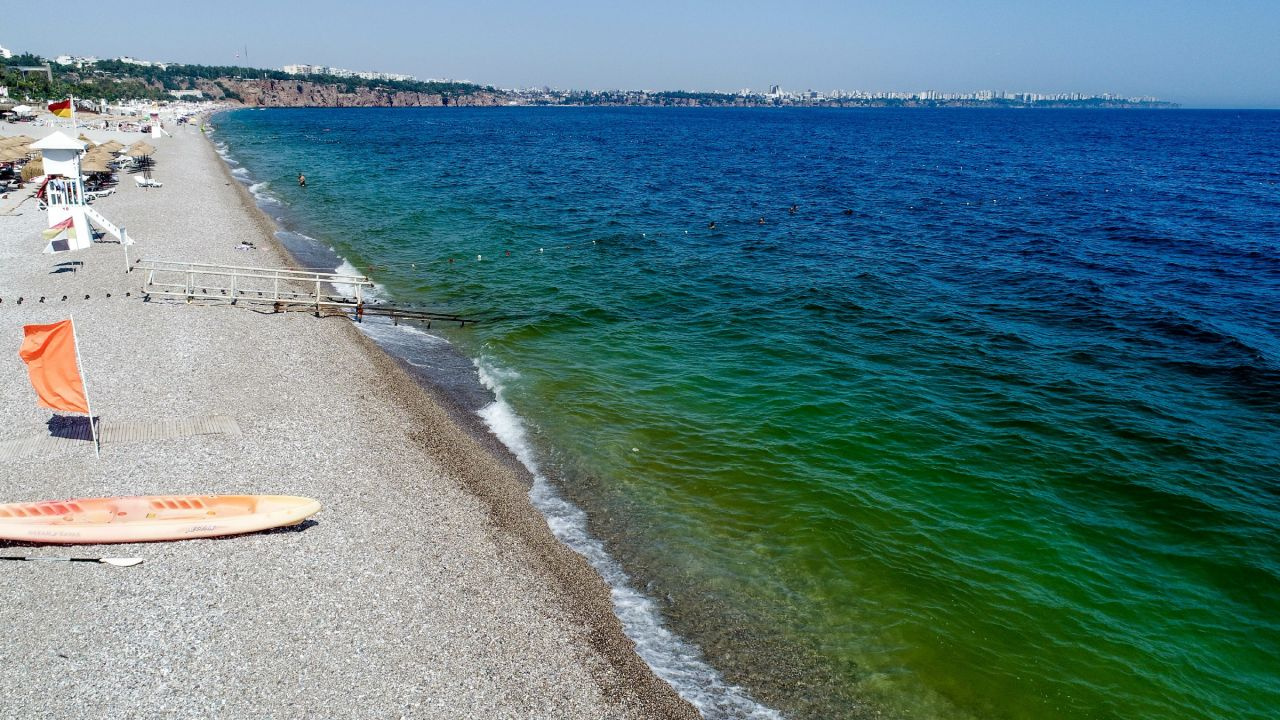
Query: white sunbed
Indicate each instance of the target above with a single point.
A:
(147, 182)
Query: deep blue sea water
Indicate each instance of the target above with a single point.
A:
(986, 426)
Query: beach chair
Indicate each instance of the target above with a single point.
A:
(147, 182)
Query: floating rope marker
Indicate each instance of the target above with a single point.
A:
(118, 562)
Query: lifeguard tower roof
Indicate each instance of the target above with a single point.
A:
(57, 141)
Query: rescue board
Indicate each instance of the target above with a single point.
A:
(149, 518)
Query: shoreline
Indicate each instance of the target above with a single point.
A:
(453, 383)
(427, 537)
(509, 508)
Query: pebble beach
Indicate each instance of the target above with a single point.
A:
(426, 587)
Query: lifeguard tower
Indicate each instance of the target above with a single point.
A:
(65, 197)
(64, 190)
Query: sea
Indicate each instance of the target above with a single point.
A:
(894, 413)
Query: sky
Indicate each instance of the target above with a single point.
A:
(1198, 53)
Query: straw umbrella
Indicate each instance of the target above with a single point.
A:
(94, 164)
(35, 168)
(85, 139)
(112, 146)
(140, 149)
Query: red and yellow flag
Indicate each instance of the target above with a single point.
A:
(50, 354)
(56, 230)
(61, 108)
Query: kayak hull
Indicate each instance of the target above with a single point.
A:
(149, 518)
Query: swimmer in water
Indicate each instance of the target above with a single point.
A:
(848, 212)
(302, 180)
(760, 221)
(793, 208)
(711, 225)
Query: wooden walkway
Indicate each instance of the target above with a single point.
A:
(73, 433)
(282, 289)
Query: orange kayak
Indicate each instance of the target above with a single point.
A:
(149, 518)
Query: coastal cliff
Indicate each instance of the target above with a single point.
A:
(268, 92)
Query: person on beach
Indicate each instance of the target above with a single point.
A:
(302, 180)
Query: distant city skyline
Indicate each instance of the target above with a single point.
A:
(1199, 54)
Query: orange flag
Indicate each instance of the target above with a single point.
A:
(50, 354)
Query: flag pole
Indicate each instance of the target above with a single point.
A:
(72, 99)
(93, 431)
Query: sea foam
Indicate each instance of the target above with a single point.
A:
(672, 658)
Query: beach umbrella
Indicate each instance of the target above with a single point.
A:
(139, 149)
(6, 142)
(112, 146)
(85, 139)
(25, 138)
(94, 165)
(35, 168)
(11, 154)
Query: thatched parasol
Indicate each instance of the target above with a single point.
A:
(35, 168)
(112, 146)
(95, 164)
(139, 149)
(25, 138)
(85, 139)
(7, 141)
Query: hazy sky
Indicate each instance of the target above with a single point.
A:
(1200, 53)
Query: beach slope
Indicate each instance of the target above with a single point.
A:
(426, 587)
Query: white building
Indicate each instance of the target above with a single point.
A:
(5, 53)
(302, 69)
(144, 63)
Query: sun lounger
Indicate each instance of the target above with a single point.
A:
(147, 182)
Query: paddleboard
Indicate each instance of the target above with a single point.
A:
(149, 518)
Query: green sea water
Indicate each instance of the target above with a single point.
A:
(985, 426)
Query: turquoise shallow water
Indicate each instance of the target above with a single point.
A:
(986, 427)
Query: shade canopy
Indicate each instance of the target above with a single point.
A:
(111, 146)
(94, 164)
(35, 168)
(140, 149)
(85, 139)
